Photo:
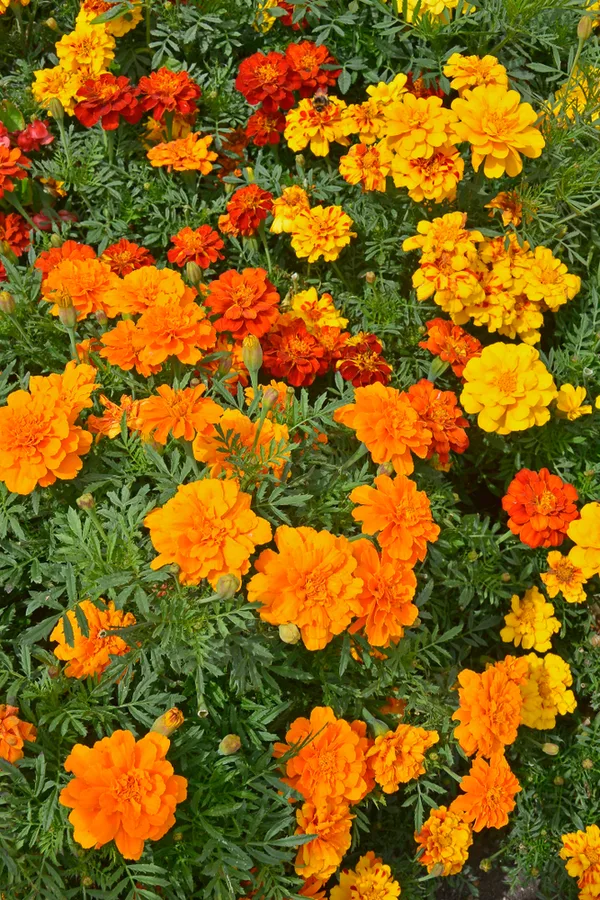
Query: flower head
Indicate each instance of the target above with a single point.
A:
(85, 282)
(317, 312)
(13, 165)
(564, 577)
(545, 691)
(331, 823)
(451, 343)
(441, 415)
(370, 880)
(145, 287)
(246, 302)
(178, 329)
(265, 127)
(212, 445)
(186, 154)
(181, 413)
(201, 246)
(367, 120)
(166, 91)
(49, 259)
(489, 793)
(124, 257)
(387, 594)
(110, 422)
(121, 349)
(14, 233)
(87, 51)
(531, 623)
(56, 84)
(418, 126)
(570, 403)
(106, 99)
(397, 756)
(469, 72)
(360, 361)
(311, 63)
(13, 733)
(248, 207)
(544, 279)
(310, 125)
(293, 200)
(90, 654)
(510, 206)
(541, 507)
(293, 353)
(269, 80)
(445, 839)
(581, 849)
(321, 231)
(367, 166)
(585, 533)
(429, 178)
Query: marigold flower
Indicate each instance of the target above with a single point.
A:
(361, 362)
(123, 790)
(321, 231)
(564, 577)
(146, 287)
(510, 206)
(331, 823)
(125, 257)
(269, 80)
(117, 26)
(370, 879)
(445, 234)
(186, 154)
(545, 692)
(56, 84)
(85, 281)
(87, 51)
(499, 128)
(49, 259)
(385, 93)
(181, 413)
(166, 91)
(317, 127)
(387, 423)
(451, 343)
(120, 350)
(531, 623)
(541, 506)
(208, 530)
(14, 233)
(286, 208)
(489, 710)
(238, 429)
(489, 793)
(168, 722)
(248, 207)
(293, 353)
(109, 423)
(309, 62)
(13, 165)
(105, 99)
(543, 278)
(469, 72)
(91, 655)
(317, 312)
(442, 417)
(585, 534)
(246, 302)
(265, 127)
(432, 178)
(509, 387)
(330, 764)
(157, 132)
(418, 126)
(13, 733)
(435, 9)
(367, 120)
(200, 245)
(386, 598)
(368, 166)
(178, 329)
(569, 402)
(581, 849)
(397, 756)
(445, 839)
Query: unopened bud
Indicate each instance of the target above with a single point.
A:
(68, 316)
(370, 277)
(294, 277)
(7, 303)
(385, 468)
(87, 881)
(193, 273)
(56, 109)
(53, 671)
(252, 353)
(194, 382)
(230, 744)
(178, 836)
(51, 23)
(227, 586)
(595, 640)
(269, 398)
(101, 317)
(485, 865)
(505, 577)
(86, 501)
(585, 28)
(379, 728)
(437, 870)
(202, 712)
(550, 749)
(534, 871)
(588, 764)
(169, 722)
(290, 633)
(559, 780)
(225, 364)
(56, 240)
(300, 160)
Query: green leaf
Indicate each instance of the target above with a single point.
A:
(11, 116)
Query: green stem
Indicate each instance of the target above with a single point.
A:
(97, 524)
(169, 124)
(73, 343)
(148, 5)
(19, 328)
(261, 232)
(571, 72)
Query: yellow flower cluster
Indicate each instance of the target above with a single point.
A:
(531, 622)
(320, 231)
(581, 849)
(546, 691)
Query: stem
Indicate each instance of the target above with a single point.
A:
(97, 524)
(148, 4)
(73, 344)
(261, 232)
(169, 124)
(571, 72)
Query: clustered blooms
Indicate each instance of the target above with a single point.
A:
(581, 849)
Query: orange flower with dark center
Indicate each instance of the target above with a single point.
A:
(293, 353)
(398, 514)
(540, 507)
(248, 207)
(307, 60)
(451, 343)
(13, 165)
(200, 245)
(246, 302)
(125, 257)
(49, 259)
(387, 594)
(106, 99)
(166, 91)
(109, 423)
(361, 361)
(183, 414)
(269, 80)
(122, 790)
(14, 233)
(90, 654)
(13, 733)
(331, 823)
(173, 329)
(119, 349)
(265, 128)
(489, 793)
(397, 756)
(442, 416)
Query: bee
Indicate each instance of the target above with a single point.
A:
(320, 100)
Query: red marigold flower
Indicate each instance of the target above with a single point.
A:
(268, 80)
(34, 136)
(12, 165)
(287, 20)
(166, 91)
(125, 257)
(200, 245)
(295, 354)
(361, 361)
(246, 302)
(451, 343)
(4, 135)
(49, 259)
(418, 87)
(105, 99)
(442, 416)
(246, 210)
(307, 61)
(265, 127)
(540, 506)
(14, 233)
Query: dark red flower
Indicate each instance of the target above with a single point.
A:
(3, 275)
(35, 136)
(418, 87)
(165, 91)
(4, 136)
(14, 233)
(44, 223)
(246, 210)
(361, 361)
(125, 257)
(307, 61)
(268, 80)
(265, 128)
(294, 354)
(200, 245)
(287, 20)
(106, 99)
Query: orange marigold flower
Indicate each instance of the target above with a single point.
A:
(371, 880)
(265, 128)
(398, 514)
(368, 166)
(173, 329)
(85, 349)
(581, 849)
(317, 312)
(293, 353)
(183, 414)
(13, 733)
(166, 91)
(367, 120)
(200, 245)
(432, 178)
(445, 839)
(109, 423)
(208, 530)
(331, 823)
(564, 577)
(360, 361)
(321, 231)
(74, 387)
(85, 281)
(146, 287)
(308, 61)
(190, 153)
(248, 207)
(246, 302)
(418, 126)
(386, 422)
(119, 349)
(387, 594)
(125, 257)
(310, 582)
(445, 234)
(442, 416)
(123, 790)
(13, 164)
(91, 655)
(49, 259)
(510, 205)
(541, 507)
(489, 793)
(330, 763)
(214, 445)
(14, 233)
(397, 756)
(269, 80)
(285, 208)
(489, 710)
(451, 343)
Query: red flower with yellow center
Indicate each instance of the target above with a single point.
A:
(14, 233)
(49, 259)
(296, 355)
(307, 60)
(267, 79)
(442, 416)
(13, 164)
(265, 127)
(125, 257)
(451, 343)
(200, 245)
(540, 506)
(246, 302)
(106, 99)
(248, 207)
(166, 91)
(361, 361)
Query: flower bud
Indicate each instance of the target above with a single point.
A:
(202, 712)
(87, 881)
(505, 577)
(294, 277)
(595, 640)
(193, 273)
(177, 836)
(588, 764)
(86, 501)
(300, 160)
(550, 749)
(252, 353)
(534, 871)
(227, 586)
(51, 23)
(269, 398)
(56, 240)
(225, 364)
(437, 870)
(101, 317)
(194, 382)
(53, 671)
(147, 185)
(7, 303)
(585, 28)
(68, 316)
(385, 468)
(56, 109)
(169, 722)
(485, 865)
(370, 277)
(289, 634)
(379, 728)
(559, 781)
(230, 744)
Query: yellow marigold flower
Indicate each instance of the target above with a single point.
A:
(397, 756)
(367, 120)
(434, 178)
(366, 165)
(418, 126)
(306, 125)
(509, 204)
(578, 96)
(564, 577)
(118, 25)
(87, 51)
(469, 72)
(585, 533)
(531, 623)
(545, 692)
(523, 318)
(499, 128)
(56, 84)
(543, 278)
(321, 231)
(445, 839)
(581, 849)
(446, 234)
(263, 20)
(569, 403)
(435, 9)
(4, 4)
(371, 880)
(286, 208)
(317, 312)
(385, 93)
(509, 388)
(185, 154)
